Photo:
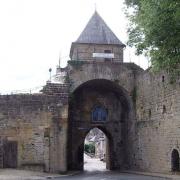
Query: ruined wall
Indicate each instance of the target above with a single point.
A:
(35, 122)
(156, 131)
(85, 52)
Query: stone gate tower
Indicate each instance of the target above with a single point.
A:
(97, 43)
(99, 82)
(138, 111)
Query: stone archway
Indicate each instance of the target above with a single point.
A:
(116, 102)
(102, 145)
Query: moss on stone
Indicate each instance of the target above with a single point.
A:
(134, 95)
(76, 64)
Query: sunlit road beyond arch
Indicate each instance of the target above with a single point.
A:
(93, 164)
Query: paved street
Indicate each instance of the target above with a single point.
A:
(93, 170)
(99, 175)
(96, 170)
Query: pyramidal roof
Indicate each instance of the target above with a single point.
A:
(97, 32)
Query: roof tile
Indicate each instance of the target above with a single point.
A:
(97, 32)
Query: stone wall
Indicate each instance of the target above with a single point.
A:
(157, 130)
(46, 128)
(123, 74)
(109, 84)
(23, 119)
(30, 121)
(85, 52)
(103, 94)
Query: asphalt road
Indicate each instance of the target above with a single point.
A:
(108, 175)
(96, 170)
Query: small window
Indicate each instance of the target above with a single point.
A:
(46, 132)
(163, 78)
(107, 52)
(149, 113)
(99, 114)
(164, 109)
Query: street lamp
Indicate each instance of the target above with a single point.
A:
(50, 70)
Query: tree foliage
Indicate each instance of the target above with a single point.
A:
(155, 31)
(89, 148)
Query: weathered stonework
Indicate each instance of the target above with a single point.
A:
(123, 74)
(157, 125)
(106, 94)
(30, 121)
(85, 52)
(46, 131)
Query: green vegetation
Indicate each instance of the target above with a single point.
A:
(89, 148)
(76, 64)
(155, 31)
(67, 79)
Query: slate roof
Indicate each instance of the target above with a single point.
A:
(97, 32)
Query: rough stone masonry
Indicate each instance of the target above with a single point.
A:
(46, 131)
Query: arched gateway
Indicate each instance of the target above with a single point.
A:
(96, 145)
(100, 89)
(103, 104)
(46, 131)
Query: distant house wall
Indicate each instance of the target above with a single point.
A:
(100, 147)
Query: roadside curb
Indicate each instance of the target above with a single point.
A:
(43, 176)
(62, 175)
(166, 176)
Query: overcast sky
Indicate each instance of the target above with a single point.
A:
(34, 32)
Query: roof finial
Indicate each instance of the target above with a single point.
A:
(95, 6)
(59, 59)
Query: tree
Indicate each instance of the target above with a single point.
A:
(155, 31)
(89, 148)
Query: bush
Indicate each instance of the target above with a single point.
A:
(89, 148)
